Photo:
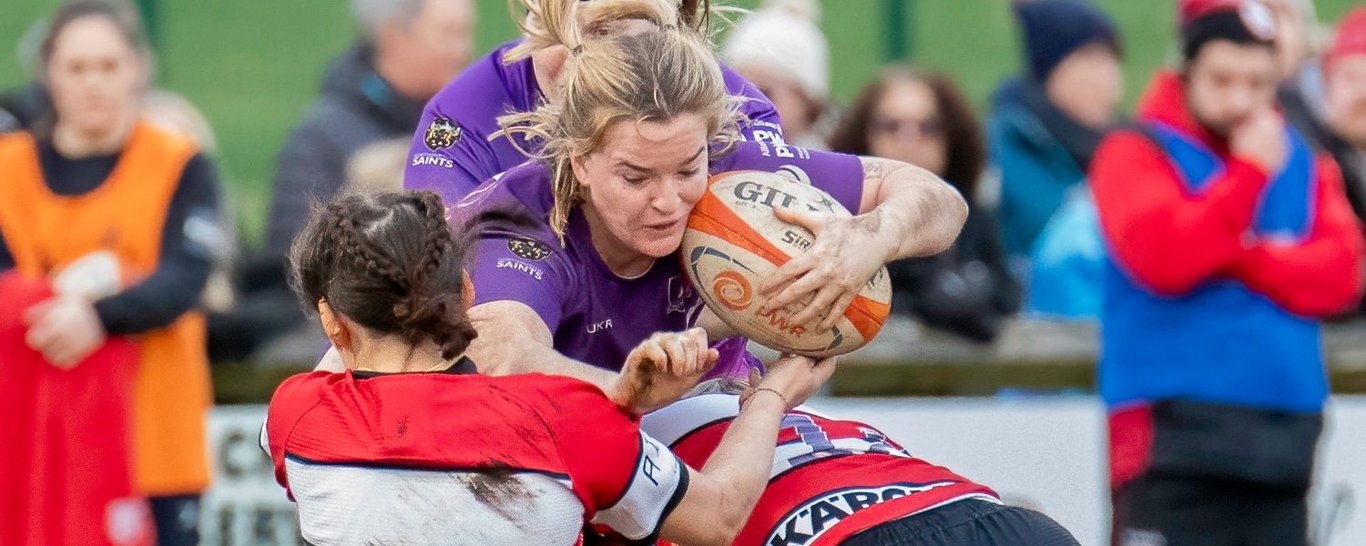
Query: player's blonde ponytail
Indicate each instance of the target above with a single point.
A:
(551, 23)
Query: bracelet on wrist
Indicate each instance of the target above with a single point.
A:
(786, 404)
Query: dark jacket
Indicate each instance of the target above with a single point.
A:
(967, 290)
(357, 108)
(1040, 154)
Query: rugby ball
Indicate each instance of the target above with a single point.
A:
(733, 242)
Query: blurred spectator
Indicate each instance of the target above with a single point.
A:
(1345, 105)
(1298, 36)
(781, 50)
(1298, 46)
(122, 216)
(923, 119)
(1046, 123)
(1345, 109)
(372, 92)
(1228, 240)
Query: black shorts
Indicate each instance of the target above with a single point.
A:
(1219, 475)
(1180, 511)
(968, 523)
(177, 519)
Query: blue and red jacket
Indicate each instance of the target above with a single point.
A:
(1219, 272)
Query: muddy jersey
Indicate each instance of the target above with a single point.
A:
(454, 457)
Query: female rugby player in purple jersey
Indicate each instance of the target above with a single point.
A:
(568, 270)
(451, 151)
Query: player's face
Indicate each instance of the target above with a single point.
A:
(1227, 83)
(1346, 99)
(907, 126)
(94, 76)
(641, 185)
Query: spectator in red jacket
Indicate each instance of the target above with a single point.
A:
(1229, 239)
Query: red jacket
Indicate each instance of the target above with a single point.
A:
(1151, 221)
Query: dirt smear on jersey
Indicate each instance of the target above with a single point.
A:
(499, 490)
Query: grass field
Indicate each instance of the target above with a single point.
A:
(253, 65)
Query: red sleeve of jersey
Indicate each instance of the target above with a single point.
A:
(1321, 275)
(1166, 238)
(696, 448)
(292, 399)
(598, 442)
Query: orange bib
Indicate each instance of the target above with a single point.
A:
(125, 215)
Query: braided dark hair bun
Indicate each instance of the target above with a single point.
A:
(391, 263)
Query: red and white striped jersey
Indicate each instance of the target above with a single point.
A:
(830, 480)
(459, 458)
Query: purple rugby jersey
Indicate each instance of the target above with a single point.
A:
(595, 316)
(451, 152)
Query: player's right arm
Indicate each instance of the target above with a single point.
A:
(514, 339)
(520, 298)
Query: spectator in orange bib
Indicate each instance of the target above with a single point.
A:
(123, 218)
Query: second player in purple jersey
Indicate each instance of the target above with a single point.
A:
(451, 152)
(594, 315)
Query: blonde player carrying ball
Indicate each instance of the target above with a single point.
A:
(575, 262)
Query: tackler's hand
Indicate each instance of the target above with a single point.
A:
(662, 369)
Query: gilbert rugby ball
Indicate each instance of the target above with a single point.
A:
(733, 242)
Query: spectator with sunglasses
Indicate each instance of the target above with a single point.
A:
(924, 119)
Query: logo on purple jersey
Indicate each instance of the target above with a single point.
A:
(442, 133)
(528, 249)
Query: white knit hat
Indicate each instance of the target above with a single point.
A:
(783, 35)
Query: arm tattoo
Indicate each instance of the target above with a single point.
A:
(874, 169)
(920, 212)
